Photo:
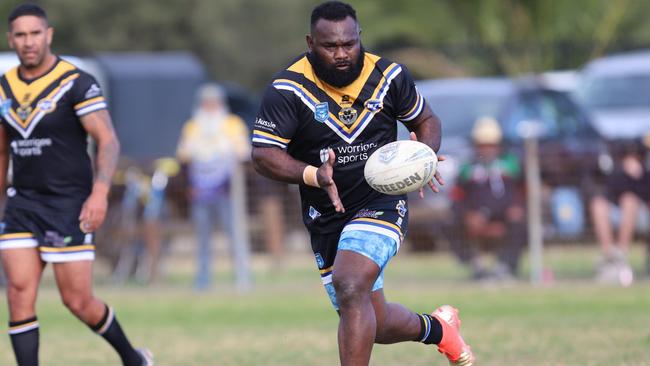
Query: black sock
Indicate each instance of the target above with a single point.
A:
(430, 330)
(24, 340)
(110, 329)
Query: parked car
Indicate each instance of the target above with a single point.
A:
(616, 90)
(569, 148)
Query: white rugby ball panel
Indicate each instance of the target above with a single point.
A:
(400, 167)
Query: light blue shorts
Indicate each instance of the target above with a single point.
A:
(377, 247)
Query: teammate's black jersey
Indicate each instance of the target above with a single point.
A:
(47, 143)
(305, 116)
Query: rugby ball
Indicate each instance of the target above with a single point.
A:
(400, 167)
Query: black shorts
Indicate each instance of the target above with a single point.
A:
(644, 188)
(57, 236)
(619, 183)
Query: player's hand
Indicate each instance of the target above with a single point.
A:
(436, 176)
(326, 182)
(93, 212)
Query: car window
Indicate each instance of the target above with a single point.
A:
(459, 112)
(572, 121)
(556, 114)
(532, 107)
(609, 92)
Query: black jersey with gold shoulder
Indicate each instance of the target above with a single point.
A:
(47, 143)
(305, 116)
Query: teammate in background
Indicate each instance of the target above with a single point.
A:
(319, 121)
(48, 107)
(212, 143)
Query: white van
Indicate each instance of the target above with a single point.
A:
(616, 90)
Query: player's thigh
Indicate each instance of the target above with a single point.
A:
(23, 267)
(19, 250)
(379, 304)
(74, 278)
(353, 269)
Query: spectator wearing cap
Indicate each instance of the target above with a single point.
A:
(489, 206)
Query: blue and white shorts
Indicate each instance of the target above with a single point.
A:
(375, 232)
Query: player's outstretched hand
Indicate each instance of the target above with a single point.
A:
(325, 180)
(93, 212)
(437, 176)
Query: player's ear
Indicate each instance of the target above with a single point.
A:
(50, 34)
(9, 41)
(310, 42)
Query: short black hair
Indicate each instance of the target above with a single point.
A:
(333, 11)
(27, 9)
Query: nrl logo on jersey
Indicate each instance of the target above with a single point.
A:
(374, 105)
(321, 112)
(5, 106)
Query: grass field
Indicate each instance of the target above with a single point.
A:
(287, 320)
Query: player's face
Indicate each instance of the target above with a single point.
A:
(335, 51)
(488, 152)
(30, 37)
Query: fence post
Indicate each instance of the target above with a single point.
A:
(534, 201)
(240, 224)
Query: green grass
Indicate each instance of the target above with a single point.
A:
(287, 320)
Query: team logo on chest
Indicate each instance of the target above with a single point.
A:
(25, 109)
(347, 114)
(321, 112)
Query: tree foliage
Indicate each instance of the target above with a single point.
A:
(246, 41)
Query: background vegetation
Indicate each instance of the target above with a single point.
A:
(247, 41)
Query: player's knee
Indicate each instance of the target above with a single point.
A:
(76, 302)
(350, 291)
(19, 295)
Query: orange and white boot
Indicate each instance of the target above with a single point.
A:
(452, 344)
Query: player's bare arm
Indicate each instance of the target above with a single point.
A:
(426, 128)
(276, 164)
(4, 159)
(98, 125)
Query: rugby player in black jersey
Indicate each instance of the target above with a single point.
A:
(48, 107)
(319, 121)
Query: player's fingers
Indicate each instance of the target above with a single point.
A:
(421, 192)
(413, 136)
(83, 213)
(87, 224)
(333, 193)
(332, 157)
(433, 187)
(442, 158)
(439, 179)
